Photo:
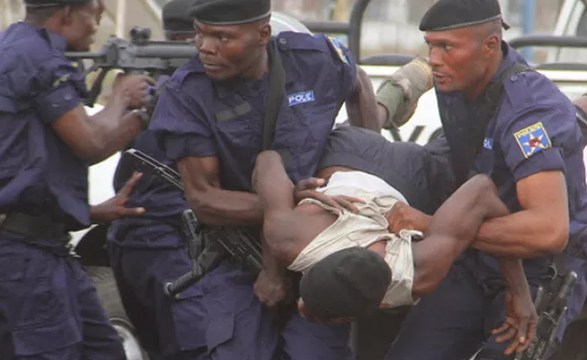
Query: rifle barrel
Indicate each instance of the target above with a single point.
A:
(83, 55)
(166, 51)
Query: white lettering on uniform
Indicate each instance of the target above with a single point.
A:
(301, 98)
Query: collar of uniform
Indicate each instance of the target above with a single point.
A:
(508, 61)
(56, 41)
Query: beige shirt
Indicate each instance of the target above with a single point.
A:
(364, 229)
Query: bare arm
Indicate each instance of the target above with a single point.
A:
(362, 107)
(211, 204)
(514, 276)
(98, 137)
(541, 228)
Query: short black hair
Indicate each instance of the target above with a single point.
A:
(349, 283)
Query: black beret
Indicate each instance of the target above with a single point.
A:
(51, 3)
(453, 14)
(349, 283)
(230, 12)
(176, 16)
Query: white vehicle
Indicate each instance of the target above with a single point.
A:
(424, 125)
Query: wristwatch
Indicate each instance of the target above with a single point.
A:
(143, 116)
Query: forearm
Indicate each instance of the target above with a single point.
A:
(524, 234)
(366, 116)
(514, 276)
(362, 108)
(96, 215)
(113, 129)
(222, 207)
(270, 261)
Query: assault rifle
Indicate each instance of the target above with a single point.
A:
(138, 55)
(208, 245)
(551, 305)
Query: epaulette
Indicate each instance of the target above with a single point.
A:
(302, 41)
(192, 67)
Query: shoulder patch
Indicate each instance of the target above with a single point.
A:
(336, 45)
(533, 139)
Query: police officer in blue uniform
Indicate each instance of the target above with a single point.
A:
(208, 121)
(527, 139)
(48, 307)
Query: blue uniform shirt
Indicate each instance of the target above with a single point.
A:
(196, 117)
(534, 130)
(421, 173)
(39, 173)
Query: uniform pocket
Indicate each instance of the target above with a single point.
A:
(219, 331)
(240, 136)
(7, 106)
(188, 318)
(236, 127)
(48, 292)
(12, 290)
(42, 339)
(12, 269)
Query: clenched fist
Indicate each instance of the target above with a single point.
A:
(133, 89)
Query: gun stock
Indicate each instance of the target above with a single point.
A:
(551, 307)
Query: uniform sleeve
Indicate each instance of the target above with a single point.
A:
(180, 122)
(346, 67)
(58, 87)
(533, 141)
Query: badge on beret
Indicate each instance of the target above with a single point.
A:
(533, 139)
(338, 47)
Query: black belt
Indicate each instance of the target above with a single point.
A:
(34, 226)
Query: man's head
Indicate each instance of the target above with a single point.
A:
(177, 22)
(348, 284)
(76, 20)
(231, 35)
(464, 38)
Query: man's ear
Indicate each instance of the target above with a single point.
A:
(65, 15)
(265, 33)
(492, 44)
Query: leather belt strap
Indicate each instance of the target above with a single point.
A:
(34, 226)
